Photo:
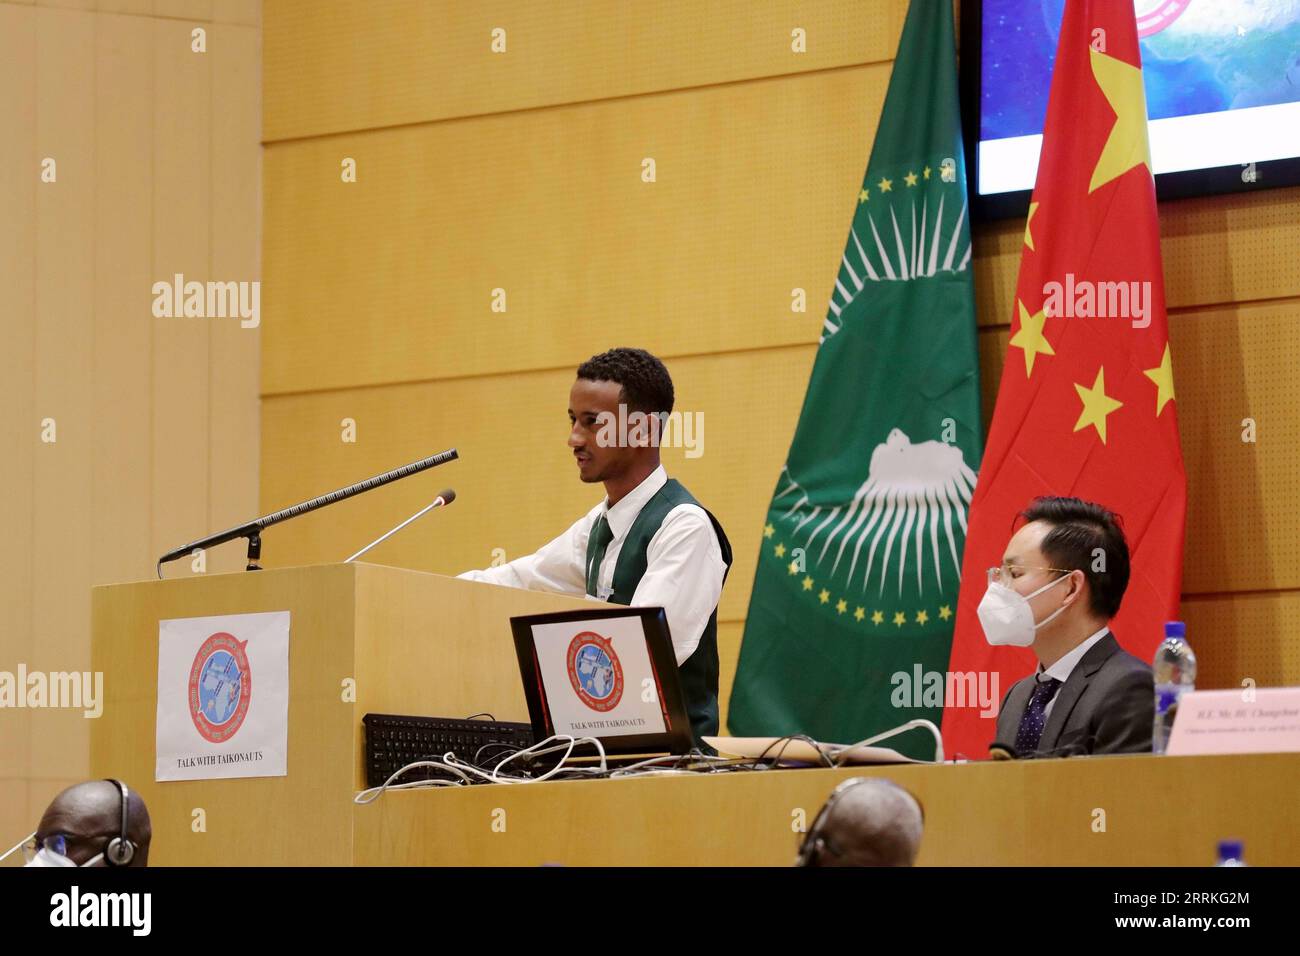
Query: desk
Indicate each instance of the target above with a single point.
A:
(1158, 811)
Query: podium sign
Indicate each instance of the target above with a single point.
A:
(223, 696)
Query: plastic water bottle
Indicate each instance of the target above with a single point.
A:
(1230, 853)
(1175, 674)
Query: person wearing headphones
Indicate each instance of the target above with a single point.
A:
(96, 823)
(866, 821)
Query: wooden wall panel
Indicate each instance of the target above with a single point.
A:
(234, 353)
(106, 90)
(390, 279)
(1249, 635)
(1233, 364)
(381, 265)
(138, 7)
(181, 203)
(338, 65)
(20, 421)
(65, 132)
(186, 9)
(122, 507)
(247, 12)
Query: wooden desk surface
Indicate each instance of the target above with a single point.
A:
(1096, 811)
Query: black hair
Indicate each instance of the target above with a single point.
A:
(647, 386)
(1079, 530)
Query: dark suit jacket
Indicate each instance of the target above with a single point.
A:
(1105, 707)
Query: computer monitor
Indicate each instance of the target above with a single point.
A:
(609, 674)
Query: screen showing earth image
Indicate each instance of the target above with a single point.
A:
(1222, 83)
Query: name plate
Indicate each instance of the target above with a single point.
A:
(1222, 722)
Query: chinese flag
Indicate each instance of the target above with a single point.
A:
(1086, 405)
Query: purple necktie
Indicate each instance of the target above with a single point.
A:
(1031, 724)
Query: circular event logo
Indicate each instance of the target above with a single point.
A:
(221, 686)
(1154, 15)
(595, 672)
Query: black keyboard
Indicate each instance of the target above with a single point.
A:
(393, 741)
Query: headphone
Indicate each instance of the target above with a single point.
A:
(814, 843)
(120, 851)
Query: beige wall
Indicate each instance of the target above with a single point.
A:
(157, 420)
(521, 171)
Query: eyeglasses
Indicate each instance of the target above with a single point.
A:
(1002, 575)
(32, 844)
(55, 843)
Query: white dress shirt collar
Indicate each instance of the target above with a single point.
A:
(621, 515)
(1063, 668)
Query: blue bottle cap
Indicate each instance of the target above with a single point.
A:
(1175, 629)
(1230, 849)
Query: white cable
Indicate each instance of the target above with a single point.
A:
(604, 761)
(535, 750)
(911, 724)
(660, 772)
(495, 777)
(573, 742)
(552, 744)
(374, 793)
(454, 761)
(632, 769)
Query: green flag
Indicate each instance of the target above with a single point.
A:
(850, 622)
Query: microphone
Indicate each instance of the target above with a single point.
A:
(445, 497)
(252, 529)
(1072, 748)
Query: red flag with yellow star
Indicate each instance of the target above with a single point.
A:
(1086, 404)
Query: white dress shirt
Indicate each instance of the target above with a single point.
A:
(684, 566)
(1063, 668)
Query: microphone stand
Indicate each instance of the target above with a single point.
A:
(252, 530)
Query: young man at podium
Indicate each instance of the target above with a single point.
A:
(649, 543)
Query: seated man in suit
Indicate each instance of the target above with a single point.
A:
(1062, 578)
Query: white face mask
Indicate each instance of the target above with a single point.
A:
(47, 857)
(1007, 617)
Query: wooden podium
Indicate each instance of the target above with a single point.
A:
(413, 643)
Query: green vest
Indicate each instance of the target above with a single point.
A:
(699, 672)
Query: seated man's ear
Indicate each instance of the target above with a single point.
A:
(1076, 588)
